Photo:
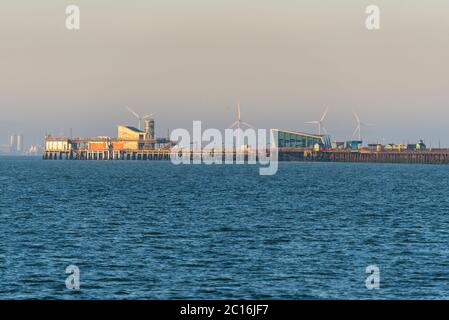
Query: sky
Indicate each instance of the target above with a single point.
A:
(283, 61)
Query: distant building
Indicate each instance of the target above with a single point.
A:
(338, 145)
(131, 138)
(421, 145)
(34, 150)
(57, 144)
(418, 146)
(128, 139)
(12, 143)
(16, 143)
(375, 146)
(353, 144)
(129, 133)
(4, 149)
(19, 143)
(297, 139)
(149, 129)
(395, 147)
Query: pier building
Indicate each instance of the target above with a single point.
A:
(297, 139)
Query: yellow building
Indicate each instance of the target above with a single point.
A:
(129, 133)
(395, 147)
(57, 144)
(129, 138)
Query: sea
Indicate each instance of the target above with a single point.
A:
(154, 230)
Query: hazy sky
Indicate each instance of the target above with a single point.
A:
(283, 60)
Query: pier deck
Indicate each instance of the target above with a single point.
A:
(434, 156)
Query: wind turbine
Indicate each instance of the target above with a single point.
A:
(139, 118)
(360, 124)
(238, 125)
(320, 122)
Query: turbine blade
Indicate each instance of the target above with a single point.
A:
(234, 125)
(238, 111)
(133, 112)
(149, 115)
(312, 122)
(355, 131)
(356, 116)
(247, 124)
(324, 114)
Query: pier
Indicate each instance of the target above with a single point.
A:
(160, 154)
(435, 156)
(135, 144)
(150, 155)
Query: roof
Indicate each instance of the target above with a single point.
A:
(132, 129)
(301, 133)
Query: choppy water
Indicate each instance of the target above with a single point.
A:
(154, 230)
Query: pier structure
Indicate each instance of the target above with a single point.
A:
(134, 144)
(151, 154)
(430, 156)
(131, 144)
(80, 154)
